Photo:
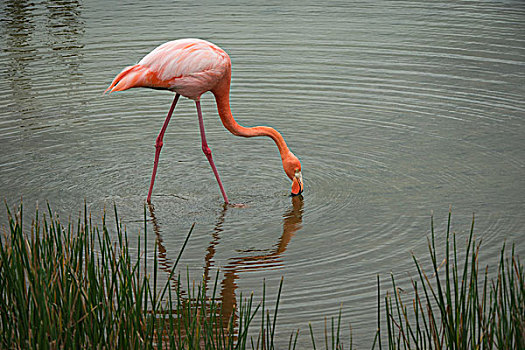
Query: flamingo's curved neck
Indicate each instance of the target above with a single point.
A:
(222, 96)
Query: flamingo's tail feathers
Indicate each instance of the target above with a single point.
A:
(130, 77)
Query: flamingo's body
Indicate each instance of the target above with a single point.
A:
(191, 67)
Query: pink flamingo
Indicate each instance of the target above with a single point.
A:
(191, 67)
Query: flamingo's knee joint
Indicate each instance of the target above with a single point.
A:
(206, 150)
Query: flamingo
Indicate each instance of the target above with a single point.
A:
(191, 67)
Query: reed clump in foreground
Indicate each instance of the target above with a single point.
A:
(66, 288)
(62, 287)
(455, 306)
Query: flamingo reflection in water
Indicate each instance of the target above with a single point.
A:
(249, 259)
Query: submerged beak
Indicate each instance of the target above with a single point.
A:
(297, 184)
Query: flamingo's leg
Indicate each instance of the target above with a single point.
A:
(158, 145)
(207, 151)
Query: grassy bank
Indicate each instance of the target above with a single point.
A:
(73, 286)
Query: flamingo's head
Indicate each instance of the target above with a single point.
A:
(292, 168)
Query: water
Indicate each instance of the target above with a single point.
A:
(394, 108)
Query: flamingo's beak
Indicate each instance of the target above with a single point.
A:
(297, 184)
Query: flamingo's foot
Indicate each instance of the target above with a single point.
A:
(236, 205)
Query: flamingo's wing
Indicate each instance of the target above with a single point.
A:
(188, 66)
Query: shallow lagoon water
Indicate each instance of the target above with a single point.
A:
(396, 109)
